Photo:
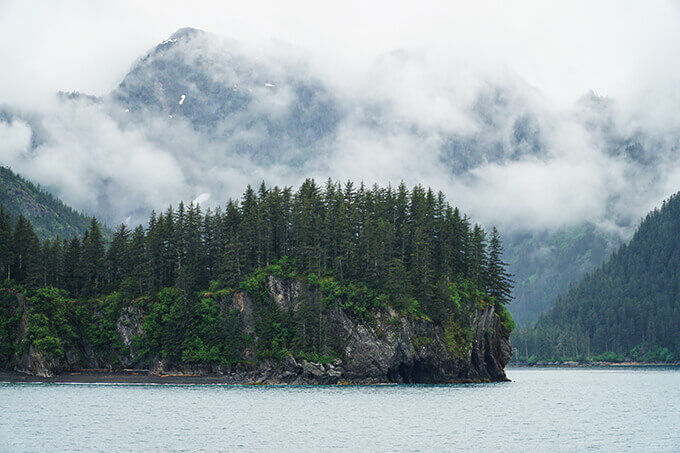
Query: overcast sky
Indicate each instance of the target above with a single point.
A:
(616, 48)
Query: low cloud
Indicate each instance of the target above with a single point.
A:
(494, 144)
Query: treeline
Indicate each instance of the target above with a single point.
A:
(628, 308)
(403, 242)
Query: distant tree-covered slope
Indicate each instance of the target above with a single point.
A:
(629, 307)
(50, 216)
(543, 264)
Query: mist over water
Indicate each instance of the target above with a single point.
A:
(628, 409)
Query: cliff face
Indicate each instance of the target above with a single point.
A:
(415, 350)
(382, 347)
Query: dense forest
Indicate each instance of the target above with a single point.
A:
(365, 247)
(49, 216)
(628, 308)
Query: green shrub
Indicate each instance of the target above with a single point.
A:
(458, 336)
(646, 353)
(51, 322)
(609, 356)
(506, 318)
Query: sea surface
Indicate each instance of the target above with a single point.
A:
(596, 409)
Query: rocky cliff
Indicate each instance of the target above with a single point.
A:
(382, 347)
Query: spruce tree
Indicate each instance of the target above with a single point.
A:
(50, 263)
(118, 258)
(477, 258)
(26, 253)
(92, 260)
(139, 275)
(71, 266)
(497, 281)
(248, 229)
(6, 256)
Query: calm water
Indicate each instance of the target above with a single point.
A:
(543, 409)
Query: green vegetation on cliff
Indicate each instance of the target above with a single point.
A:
(356, 249)
(628, 308)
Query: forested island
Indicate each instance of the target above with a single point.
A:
(325, 284)
(627, 310)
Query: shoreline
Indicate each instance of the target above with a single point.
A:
(143, 377)
(115, 377)
(571, 364)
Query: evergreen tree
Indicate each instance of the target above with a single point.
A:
(476, 255)
(6, 256)
(118, 258)
(250, 219)
(307, 225)
(26, 253)
(138, 279)
(212, 243)
(157, 238)
(232, 268)
(72, 270)
(422, 277)
(497, 278)
(51, 272)
(92, 260)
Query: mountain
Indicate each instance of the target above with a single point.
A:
(199, 116)
(265, 108)
(50, 216)
(628, 307)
